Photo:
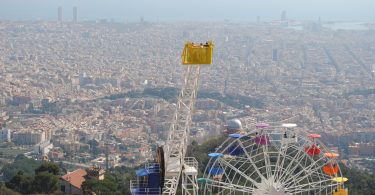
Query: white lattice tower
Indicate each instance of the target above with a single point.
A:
(176, 145)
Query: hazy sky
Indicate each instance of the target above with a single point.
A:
(202, 10)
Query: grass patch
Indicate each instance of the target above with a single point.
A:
(11, 153)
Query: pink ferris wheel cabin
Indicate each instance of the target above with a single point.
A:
(262, 125)
(314, 136)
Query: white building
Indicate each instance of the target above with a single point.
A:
(43, 148)
(29, 137)
(5, 135)
(113, 161)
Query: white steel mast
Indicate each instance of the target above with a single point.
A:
(177, 142)
(176, 145)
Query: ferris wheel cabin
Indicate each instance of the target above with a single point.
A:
(197, 53)
(313, 149)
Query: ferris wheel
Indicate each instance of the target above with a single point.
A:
(274, 160)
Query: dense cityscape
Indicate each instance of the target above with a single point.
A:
(103, 93)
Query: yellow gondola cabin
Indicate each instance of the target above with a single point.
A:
(197, 53)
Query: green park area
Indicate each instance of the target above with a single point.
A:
(11, 153)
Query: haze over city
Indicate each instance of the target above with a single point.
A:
(192, 10)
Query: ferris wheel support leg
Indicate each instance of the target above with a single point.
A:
(189, 176)
(170, 186)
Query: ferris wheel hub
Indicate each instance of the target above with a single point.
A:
(270, 187)
(274, 191)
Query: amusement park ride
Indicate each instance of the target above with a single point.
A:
(273, 160)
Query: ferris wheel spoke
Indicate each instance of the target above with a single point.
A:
(240, 164)
(245, 167)
(315, 177)
(316, 185)
(310, 170)
(295, 158)
(311, 173)
(231, 187)
(267, 161)
(278, 165)
(239, 172)
(251, 161)
(318, 180)
(321, 189)
(280, 168)
(298, 165)
(306, 157)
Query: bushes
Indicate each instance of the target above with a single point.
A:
(359, 182)
(21, 163)
(46, 180)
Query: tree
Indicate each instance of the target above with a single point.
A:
(48, 167)
(123, 175)
(21, 163)
(94, 147)
(45, 182)
(20, 157)
(200, 151)
(359, 182)
(6, 191)
(106, 186)
(21, 183)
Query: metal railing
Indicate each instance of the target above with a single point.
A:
(141, 185)
(191, 162)
(140, 188)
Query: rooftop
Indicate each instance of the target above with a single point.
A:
(76, 178)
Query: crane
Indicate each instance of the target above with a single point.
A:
(162, 176)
